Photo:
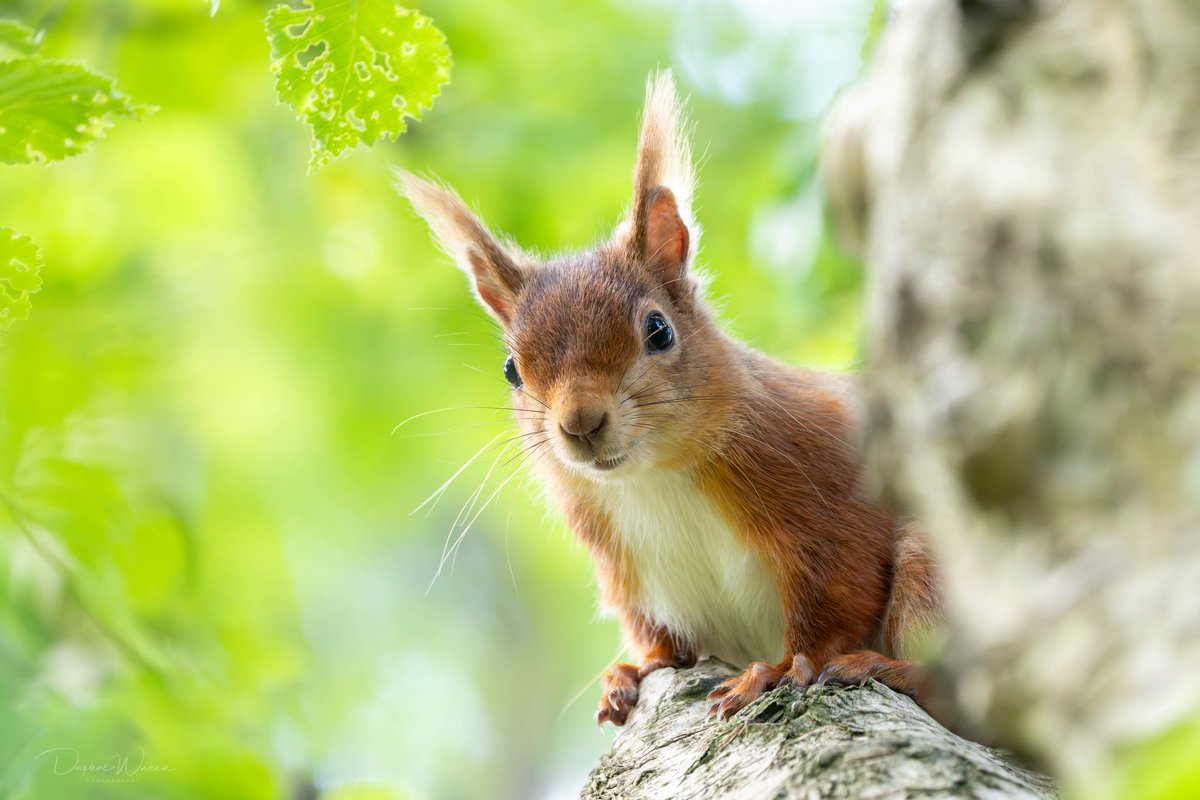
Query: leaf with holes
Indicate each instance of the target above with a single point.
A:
(20, 276)
(51, 109)
(354, 70)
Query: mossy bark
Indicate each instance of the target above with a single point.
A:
(820, 742)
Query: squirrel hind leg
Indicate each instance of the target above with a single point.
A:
(913, 620)
(855, 669)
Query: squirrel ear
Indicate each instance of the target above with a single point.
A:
(667, 240)
(662, 231)
(497, 275)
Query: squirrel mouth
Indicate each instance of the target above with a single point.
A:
(608, 463)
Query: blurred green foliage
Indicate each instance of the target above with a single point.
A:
(50, 109)
(208, 562)
(20, 276)
(1164, 768)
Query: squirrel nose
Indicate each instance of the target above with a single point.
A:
(581, 424)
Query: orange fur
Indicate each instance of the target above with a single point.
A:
(700, 462)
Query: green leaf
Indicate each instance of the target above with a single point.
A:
(20, 275)
(51, 109)
(355, 69)
(15, 36)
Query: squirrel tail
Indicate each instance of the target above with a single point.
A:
(914, 613)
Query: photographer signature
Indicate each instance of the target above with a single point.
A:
(67, 761)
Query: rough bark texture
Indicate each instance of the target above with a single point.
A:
(1023, 179)
(822, 742)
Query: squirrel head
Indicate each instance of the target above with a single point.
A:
(608, 346)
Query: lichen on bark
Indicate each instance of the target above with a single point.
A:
(819, 742)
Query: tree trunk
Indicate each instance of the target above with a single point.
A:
(822, 742)
(1022, 178)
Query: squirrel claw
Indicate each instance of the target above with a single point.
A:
(724, 709)
(720, 690)
(620, 694)
(607, 715)
(855, 669)
(616, 713)
(740, 691)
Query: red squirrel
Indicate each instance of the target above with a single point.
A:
(715, 488)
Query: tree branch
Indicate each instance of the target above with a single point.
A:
(827, 742)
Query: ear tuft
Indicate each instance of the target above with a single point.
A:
(661, 218)
(497, 274)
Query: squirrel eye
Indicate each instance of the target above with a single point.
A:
(510, 372)
(659, 336)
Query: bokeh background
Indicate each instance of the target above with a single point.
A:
(208, 558)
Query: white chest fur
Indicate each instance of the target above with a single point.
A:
(694, 574)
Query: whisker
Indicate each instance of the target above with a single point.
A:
(457, 542)
(468, 506)
(793, 461)
(441, 489)
(472, 313)
(464, 408)
(459, 429)
(668, 387)
(535, 399)
(529, 449)
(517, 389)
(621, 651)
(650, 364)
(503, 340)
(690, 398)
(474, 368)
(762, 503)
(805, 425)
(507, 556)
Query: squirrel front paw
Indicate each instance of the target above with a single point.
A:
(620, 684)
(733, 695)
(619, 694)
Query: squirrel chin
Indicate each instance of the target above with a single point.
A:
(603, 470)
(606, 464)
(624, 464)
(606, 470)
